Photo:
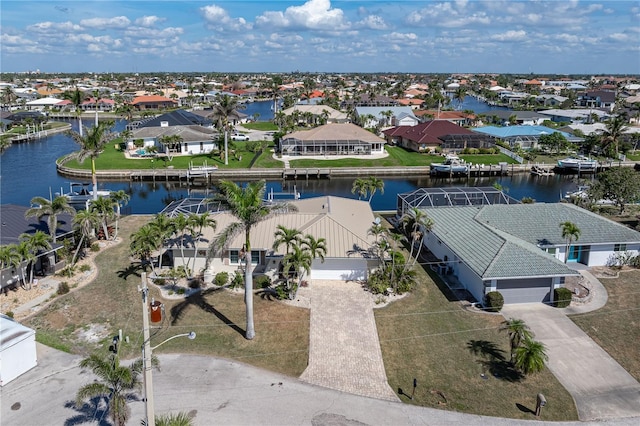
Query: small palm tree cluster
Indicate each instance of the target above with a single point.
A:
(181, 230)
(300, 253)
(22, 256)
(367, 186)
(395, 272)
(527, 355)
(570, 232)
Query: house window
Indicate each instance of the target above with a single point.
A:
(233, 257)
(255, 257)
(620, 247)
(551, 250)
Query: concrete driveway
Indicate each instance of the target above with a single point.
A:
(601, 388)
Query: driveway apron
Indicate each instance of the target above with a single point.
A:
(601, 388)
(344, 350)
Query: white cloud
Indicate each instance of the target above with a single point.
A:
(448, 15)
(148, 21)
(373, 22)
(218, 19)
(312, 15)
(510, 36)
(400, 37)
(154, 33)
(117, 22)
(54, 27)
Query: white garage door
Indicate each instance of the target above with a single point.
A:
(339, 269)
(526, 290)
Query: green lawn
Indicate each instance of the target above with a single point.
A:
(426, 336)
(261, 125)
(635, 156)
(616, 326)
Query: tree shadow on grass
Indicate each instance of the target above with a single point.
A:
(198, 299)
(96, 410)
(133, 269)
(525, 409)
(493, 360)
(268, 294)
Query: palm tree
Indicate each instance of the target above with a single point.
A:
(616, 126)
(317, 248)
(35, 242)
(178, 419)
(297, 260)
(91, 146)
(181, 225)
(103, 206)
(415, 224)
(86, 222)
(246, 204)
(570, 231)
(286, 236)
(120, 198)
(23, 250)
(9, 256)
(360, 187)
(530, 356)
(144, 242)
(8, 96)
(76, 97)
(115, 383)
(459, 95)
(518, 332)
(52, 209)
(225, 106)
(374, 184)
(197, 223)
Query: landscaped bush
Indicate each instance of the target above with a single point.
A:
(238, 280)
(493, 301)
(63, 288)
(561, 297)
(95, 247)
(222, 278)
(9, 314)
(85, 268)
(262, 281)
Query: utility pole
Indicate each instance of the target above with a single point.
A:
(146, 355)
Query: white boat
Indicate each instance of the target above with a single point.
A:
(578, 164)
(79, 193)
(452, 165)
(581, 195)
(537, 170)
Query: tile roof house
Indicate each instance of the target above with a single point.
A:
(386, 116)
(343, 222)
(518, 249)
(525, 137)
(333, 115)
(428, 136)
(332, 139)
(153, 102)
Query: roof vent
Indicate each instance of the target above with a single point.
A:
(164, 124)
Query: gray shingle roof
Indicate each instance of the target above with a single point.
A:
(14, 224)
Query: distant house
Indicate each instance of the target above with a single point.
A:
(456, 117)
(102, 104)
(319, 111)
(153, 102)
(386, 116)
(574, 115)
(436, 134)
(527, 118)
(518, 249)
(525, 137)
(332, 139)
(344, 224)
(44, 103)
(601, 99)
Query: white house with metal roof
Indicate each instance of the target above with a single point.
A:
(518, 249)
(344, 224)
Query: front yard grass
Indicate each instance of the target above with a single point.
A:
(112, 302)
(616, 326)
(428, 337)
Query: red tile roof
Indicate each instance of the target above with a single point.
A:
(151, 98)
(428, 132)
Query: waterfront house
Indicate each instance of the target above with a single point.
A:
(574, 115)
(332, 139)
(153, 102)
(525, 137)
(386, 116)
(516, 249)
(344, 223)
(436, 134)
(318, 112)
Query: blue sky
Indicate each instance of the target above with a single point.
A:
(560, 36)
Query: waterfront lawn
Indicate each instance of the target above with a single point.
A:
(487, 158)
(112, 302)
(616, 326)
(265, 126)
(426, 336)
(633, 156)
(266, 161)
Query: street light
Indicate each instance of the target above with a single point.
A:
(147, 350)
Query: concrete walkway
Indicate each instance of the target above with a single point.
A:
(344, 351)
(601, 388)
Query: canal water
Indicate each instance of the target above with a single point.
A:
(28, 170)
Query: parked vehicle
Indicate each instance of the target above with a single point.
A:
(239, 137)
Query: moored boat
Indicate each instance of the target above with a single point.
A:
(79, 193)
(577, 164)
(451, 165)
(538, 170)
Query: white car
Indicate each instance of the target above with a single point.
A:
(239, 137)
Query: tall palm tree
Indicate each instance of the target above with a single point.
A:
(246, 204)
(459, 95)
(570, 232)
(76, 97)
(85, 222)
(415, 224)
(297, 260)
(120, 198)
(197, 223)
(360, 187)
(115, 383)
(26, 257)
(225, 106)
(144, 242)
(8, 96)
(518, 332)
(104, 207)
(286, 236)
(52, 209)
(36, 242)
(374, 184)
(530, 356)
(91, 146)
(9, 256)
(181, 225)
(317, 247)
(615, 128)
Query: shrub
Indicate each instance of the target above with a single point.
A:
(222, 278)
(238, 280)
(493, 301)
(561, 297)
(95, 247)
(181, 290)
(85, 268)
(63, 288)
(9, 314)
(160, 281)
(262, 281)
